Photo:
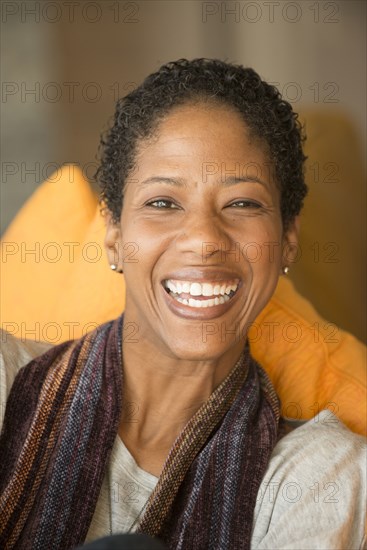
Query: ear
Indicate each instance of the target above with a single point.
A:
(290, 243)
(113, 241)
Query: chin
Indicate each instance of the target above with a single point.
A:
(199, 349)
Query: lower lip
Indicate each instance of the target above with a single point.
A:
(205, 313)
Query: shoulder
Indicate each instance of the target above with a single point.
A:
(313, 492)
(15, 354)
(324, 433)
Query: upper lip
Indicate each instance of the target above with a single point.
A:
(202, 275)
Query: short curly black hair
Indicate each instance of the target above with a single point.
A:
(267, 115)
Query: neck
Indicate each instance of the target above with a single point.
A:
(162, 392)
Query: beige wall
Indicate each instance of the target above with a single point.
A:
(315, 50)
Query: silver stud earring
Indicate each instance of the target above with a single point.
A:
(285, 270)
(114, 268)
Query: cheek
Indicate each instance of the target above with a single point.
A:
(142, 248)
(262, 243)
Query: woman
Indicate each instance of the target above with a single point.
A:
(161, 422)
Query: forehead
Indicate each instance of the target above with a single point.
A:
(205, 131)
(201, 115)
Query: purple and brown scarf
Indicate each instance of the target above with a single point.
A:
(61, 421)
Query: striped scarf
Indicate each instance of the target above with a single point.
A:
(62, 419)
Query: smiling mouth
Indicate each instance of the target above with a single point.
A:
(201, 295)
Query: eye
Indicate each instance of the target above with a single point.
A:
(244, 204)
(162, 204)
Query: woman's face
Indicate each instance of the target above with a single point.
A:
(200, 237)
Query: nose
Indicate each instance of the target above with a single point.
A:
(202, 235)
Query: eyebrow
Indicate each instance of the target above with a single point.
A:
(244, 179)
(180, 182)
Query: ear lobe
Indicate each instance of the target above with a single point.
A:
(112, 241)
(290, 243)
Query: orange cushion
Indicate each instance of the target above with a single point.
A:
(312, 364)
(56, 285)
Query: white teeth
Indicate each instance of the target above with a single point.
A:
(200, 289)
(170, 285)
(186, 287)
(195, 289)
(182, 301)
(202, 303)
(207, 289)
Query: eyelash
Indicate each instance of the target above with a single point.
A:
(151, 203)
(250, 204)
